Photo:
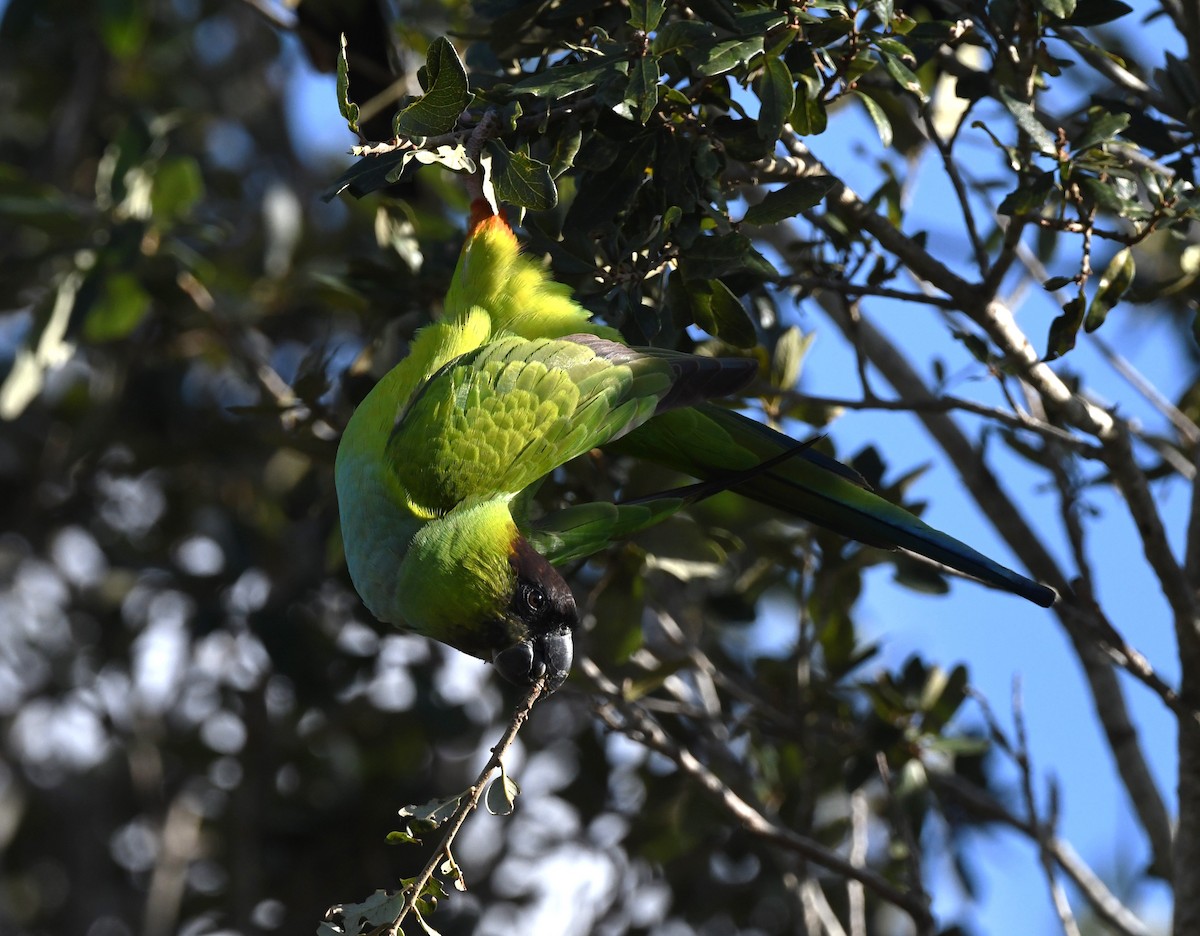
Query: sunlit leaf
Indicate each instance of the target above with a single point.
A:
(717, 310)
(501, 796)
(1064, 329)
(446, 96)
(1114, 283)
(347, 108)
(645, 14)
(1027, 119)
(119, 308)
(883, 126)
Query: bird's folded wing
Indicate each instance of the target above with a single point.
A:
(493, 421)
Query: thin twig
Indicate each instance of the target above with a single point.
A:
(1183, 423)
(807, 281)
(632, 721)
(1043, 832)
(942, 403)
(468, 803)
(1104, 902)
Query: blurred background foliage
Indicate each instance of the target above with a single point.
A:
(203, 729)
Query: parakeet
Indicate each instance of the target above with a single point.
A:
(437, 466)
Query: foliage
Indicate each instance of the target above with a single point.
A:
(204, 728)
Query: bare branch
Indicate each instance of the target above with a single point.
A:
(633, 721)
(1042, 832)
(1108, 696)
(1103, 901)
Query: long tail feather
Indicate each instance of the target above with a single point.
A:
(708, 442)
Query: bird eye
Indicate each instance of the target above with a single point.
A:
(535, 598)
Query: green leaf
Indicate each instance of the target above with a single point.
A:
(645, 14)
(447, 95)
(1064, 328)
(718, 311)
(1030, 195)
(501, 796)
(421, 820)
(903, 76)
(1097, 12)
(566, 147)
(1101, 130)
(941, 696)
(641, 93)
(1058, 282)
(1114, 283)
(521, 180)
(683, 36)
(426, 928)
(118, 310)
(882, 125)
(178, 185)
(777, 97)
(368, 174)
(347, 108)
(788, 357)
(790, 200)
(380, 909)
(1027, 120)
(562, 80)
(1104, 194)
(808, 116)
(720, 255)
(757, 21)
(726, 56)
(124, 25)
(1060, 8)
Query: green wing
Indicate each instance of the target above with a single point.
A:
(494, 421)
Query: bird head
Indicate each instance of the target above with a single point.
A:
(542, 610)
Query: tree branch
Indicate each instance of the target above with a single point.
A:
(632, 721)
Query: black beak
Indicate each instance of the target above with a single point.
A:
(546, 655)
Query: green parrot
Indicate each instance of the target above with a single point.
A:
(437, 467)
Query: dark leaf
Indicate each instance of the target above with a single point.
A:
(641, 93)
(790, 200)
(1064, 328)
(1096, 12)
(367, 175)
(777, 97)
(1101, 130)
(521, 180)
(561, 80)
(719, 255)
